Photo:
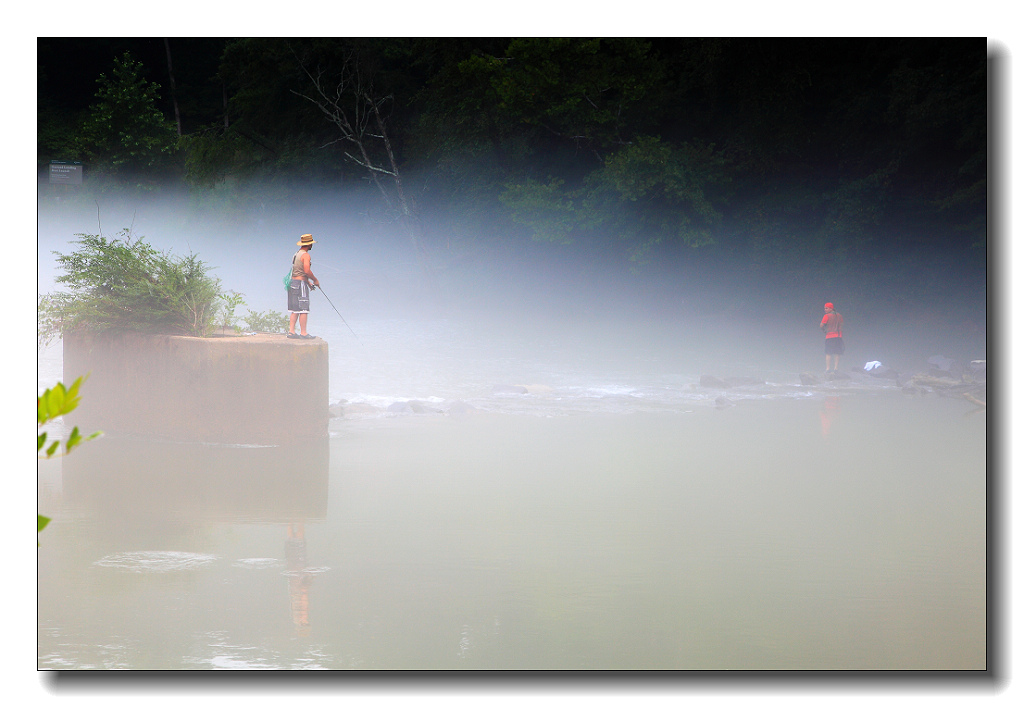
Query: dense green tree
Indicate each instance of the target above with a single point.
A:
(125, 133)
(646, 193)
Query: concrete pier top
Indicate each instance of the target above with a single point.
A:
(260, 389)
(263, 338)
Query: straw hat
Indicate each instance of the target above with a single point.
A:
(306, 240)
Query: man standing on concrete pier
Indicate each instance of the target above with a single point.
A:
(298, 291)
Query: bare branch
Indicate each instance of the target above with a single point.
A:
(351, 106)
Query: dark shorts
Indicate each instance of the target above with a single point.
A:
(298, 296)
(834, 345)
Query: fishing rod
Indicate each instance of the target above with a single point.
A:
(313, 287)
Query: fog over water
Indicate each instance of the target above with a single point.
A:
(550, 309)
(564, 494)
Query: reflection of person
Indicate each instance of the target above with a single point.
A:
(298, 291)
(828, 414)
(298, 579)
(832, 326)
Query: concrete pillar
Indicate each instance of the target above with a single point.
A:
(264, 389)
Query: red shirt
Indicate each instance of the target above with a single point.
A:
(832, 323)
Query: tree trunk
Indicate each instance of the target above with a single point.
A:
(224, 95)
(408, 211)
(174, 92)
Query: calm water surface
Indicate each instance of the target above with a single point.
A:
(823, 533)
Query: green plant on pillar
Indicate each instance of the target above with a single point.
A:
(229, 301)
(53, 403)
(125, 284)
(268, 321)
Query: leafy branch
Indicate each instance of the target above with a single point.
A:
(52, 404)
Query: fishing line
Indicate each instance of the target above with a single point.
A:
(336, 310)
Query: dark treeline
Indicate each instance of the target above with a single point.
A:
(851, 155)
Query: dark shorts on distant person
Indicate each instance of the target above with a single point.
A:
(834, 345)
(298, 296)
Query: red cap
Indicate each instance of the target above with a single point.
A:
(830, 306)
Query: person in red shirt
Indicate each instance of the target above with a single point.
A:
(832, 326)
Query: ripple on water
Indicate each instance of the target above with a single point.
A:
(154, 561)
(305, 571)
(257, 563)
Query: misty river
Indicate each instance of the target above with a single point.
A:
(616, 516)
(536, 483)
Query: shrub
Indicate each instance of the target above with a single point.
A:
(227, 317)
(126, 284)
(268, 321)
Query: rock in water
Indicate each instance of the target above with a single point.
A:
(505, 388)
(944, 364)
(708, 381)
(883, 372)
(977, 370)
(809, 379)
(360, 410)
(460, 408)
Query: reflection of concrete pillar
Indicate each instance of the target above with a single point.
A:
(206, 389)
(298, 579)
(127, 479)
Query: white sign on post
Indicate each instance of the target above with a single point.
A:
(62, 172)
